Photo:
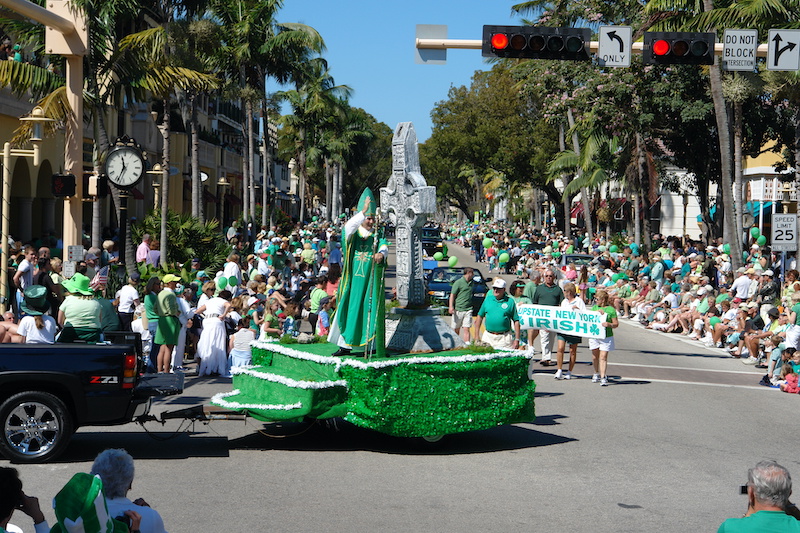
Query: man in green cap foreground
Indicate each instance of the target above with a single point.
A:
(360, 298)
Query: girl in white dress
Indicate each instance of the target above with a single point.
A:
(212, 348)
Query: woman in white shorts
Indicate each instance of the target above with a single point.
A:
(601, 347)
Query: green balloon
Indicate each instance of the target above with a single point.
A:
(232, 281)
(762, 240)
(438, 256)
(453, 261)
(222, 282)
(614, 248)
(504, 257)
(556, 254)
(755, 232)
(487, 243)
(314, 219)
(726, 248)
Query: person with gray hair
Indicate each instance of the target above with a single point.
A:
(769, 486)
(115, 468)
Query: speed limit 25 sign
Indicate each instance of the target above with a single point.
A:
(784, 233)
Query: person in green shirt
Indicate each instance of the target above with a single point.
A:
(769, 486)
(460, 304)
(169, 327)
(502, 321)
(601, 347)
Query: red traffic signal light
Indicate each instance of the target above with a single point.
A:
(679, 48)
(536, 42)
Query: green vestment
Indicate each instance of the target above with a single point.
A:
(360, 299)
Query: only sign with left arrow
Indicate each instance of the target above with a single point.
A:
(615, 46)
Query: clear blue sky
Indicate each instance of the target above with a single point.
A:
(370, 48)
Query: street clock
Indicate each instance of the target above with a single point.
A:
(125, 163)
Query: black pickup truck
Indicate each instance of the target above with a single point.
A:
(48, 391)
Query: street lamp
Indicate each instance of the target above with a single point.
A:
(157, 173)
(37, 119)
(222, 182)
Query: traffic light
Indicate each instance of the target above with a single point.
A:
(678, 48)
(63, 185)
(94, 186)
(536, 42)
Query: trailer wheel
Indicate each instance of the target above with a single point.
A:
(36, 427)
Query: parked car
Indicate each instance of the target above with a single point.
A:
(440, 285)
(432, 242)
(578, 259)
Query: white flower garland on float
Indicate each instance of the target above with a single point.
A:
(289, 382)
(219, 399)
(337, 362)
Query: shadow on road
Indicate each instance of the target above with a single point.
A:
(84, 447)
(333, 436)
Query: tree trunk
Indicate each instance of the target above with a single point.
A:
(329, 172)
(197, 184)
(738, 178)
(565, 180)
(251, 148)
(245, 174)
(730, 232)
(165, 125)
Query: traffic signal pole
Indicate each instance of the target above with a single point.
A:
(594, 46)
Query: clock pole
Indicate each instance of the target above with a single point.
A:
(123, 150)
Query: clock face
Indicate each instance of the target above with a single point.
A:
(124, 166)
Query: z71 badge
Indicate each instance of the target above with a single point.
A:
(104, 379)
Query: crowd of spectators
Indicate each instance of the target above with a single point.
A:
(681, 287)
(271, 284)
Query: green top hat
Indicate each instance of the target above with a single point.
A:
(80, 507)
(35, 300)
(78, 283)
(361, 201)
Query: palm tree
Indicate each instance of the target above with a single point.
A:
(153, 67)
(682, 16)
(315, 99)
(257, 47)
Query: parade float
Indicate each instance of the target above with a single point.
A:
(415, 377)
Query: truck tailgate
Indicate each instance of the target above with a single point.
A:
(159, 385)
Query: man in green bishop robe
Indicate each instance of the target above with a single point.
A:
(360, 299)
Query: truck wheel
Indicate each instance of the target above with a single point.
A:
(36, 427)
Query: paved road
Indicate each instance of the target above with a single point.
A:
(664, 448)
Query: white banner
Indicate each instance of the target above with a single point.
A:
(567, 321)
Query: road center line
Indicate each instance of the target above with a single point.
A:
(687, 368)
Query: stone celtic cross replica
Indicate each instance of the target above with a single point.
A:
(407, 200)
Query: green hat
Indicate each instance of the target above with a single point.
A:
(35, 300)
(78, 283)
(80, 507)
(361, 201)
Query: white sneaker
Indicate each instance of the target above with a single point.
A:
(750, 361)
(595, 378)
(558, 374)
(604, 382)
(568, 375)
(531, 369)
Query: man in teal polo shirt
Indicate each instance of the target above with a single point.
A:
(502, 321)
(769, 486)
